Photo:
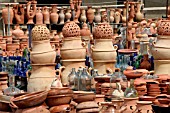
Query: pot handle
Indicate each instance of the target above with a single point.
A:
(108, 70)
(153, 43)
(53, 47)
(83, 44)
(115, 47)
(29, 49)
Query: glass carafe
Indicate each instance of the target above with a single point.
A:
(85, 81)
(130, 91)
(71, 78)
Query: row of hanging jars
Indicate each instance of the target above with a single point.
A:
(47, 15)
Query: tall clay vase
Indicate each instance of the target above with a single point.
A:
(5, 14)
(139, 15)
(31, 12)
(132, 12)
(46, 15)
(90, 15)
(19, 17)
(97, 17)
(61, 16)
(124, 15)
(117, 16)
(68, 15)
(130, 104)
(39, 16)
(112, 15)
(54, 15)
(83, 17)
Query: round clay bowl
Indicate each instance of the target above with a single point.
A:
(154, 90)
(163, 100)
(153, 85)
(30, 100)
(59, 91)
(58, 100)
(82, 96)
(60, 108)
(147, 98)
(132, 74)
(4, 103)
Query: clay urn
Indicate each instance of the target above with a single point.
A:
(54, 15)
(68, 15)
(39, 16)
(31, 11)
(98, 16)
(19, 15)
(85, 32)
(90, 14)
(83, 17)
(5, 14)
(46, 15)
(18, 33)
(139, 15)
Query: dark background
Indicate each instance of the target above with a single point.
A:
(53, 2)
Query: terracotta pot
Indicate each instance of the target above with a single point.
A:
(59, 91)
(41, 46)
(124, 15)
(163, 26)
(139, 15)
(90, 15)
(5, 15)
(69, 64)
(147, 98)
(161, 67)
(23, 45)
(8, 39)
(104, 65)
(85, 31)
(112, 15)
(117, 16)
(58, 100)
(46, 15)
(39, 16)
(73, 53)
(12, 47)
(54, 15)
(68, 15)
(45, 57)
(130, 104)
(61, 16)
(81, 96)
(163, 100)
(60, 109)
(31, 11)
(19, 15)
(106, 43)
(132, 74)
(97, 17)
(29, 100)
(4, 103)
(17, 33)
(3, 45)
(83, 16)
(144, 106)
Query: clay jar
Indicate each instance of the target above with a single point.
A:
(130, 104)
(5, 14)
(68, 15)
(117, 16)
(144, 107)
(39, 16)
(61, 16)
(90, 14)
(46, 15)
(83, 16)
(19, 16)
(17, 33)
(98, 16)
(31, 11)
(54, 15)
(139, 15)
(112, 15)
(124, 15)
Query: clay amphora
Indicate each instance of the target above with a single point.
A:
(112, 15)
(61, 16)
(98, 16)
(46, 15)
(117, 16)
(68, 15)
(83, 16)
(90, 15)
(139, 15)
(31, 11)
(19, 17)
(124, 15)
(5, 14)
(18, 33)
(54, 15)
(39, 16)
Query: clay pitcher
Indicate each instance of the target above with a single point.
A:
(46, 15)
(62, 16)
(98, 17)
(54, 15)
(139, 15)
(90, 15)
(39, 16)
(5, 14)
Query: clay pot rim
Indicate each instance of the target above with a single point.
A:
(82, 92)
(41, 41)
(33, 53)
(74, 60)
(131, 98)
(102, 40)
(144, 97)
(100, 96)
(57, 96)
(72, 38)
(105, 103)
(71, 49)
(12, 44)
(144, 102)
(127, 51)
(98, 50)
(108, 61)
(46, 64)
(4, 73)
(59, 88)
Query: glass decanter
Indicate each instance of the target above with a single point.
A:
(85, 81)
(130, 91)
(71, 78)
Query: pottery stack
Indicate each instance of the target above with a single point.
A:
(153, 89)
(3, 81)
(141, 88)
(73, 50)
(103, 52)
(42, 58)
(161, 49)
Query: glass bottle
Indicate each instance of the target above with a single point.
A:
(94, 74)
(77, 79)
(71, 78)
(85, 81)
(131, 92)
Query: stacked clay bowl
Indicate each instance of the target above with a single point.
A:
(141, 88)
(58, 99)
(162, 100)
(153, 89)
(3, 81)
(85, 102)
